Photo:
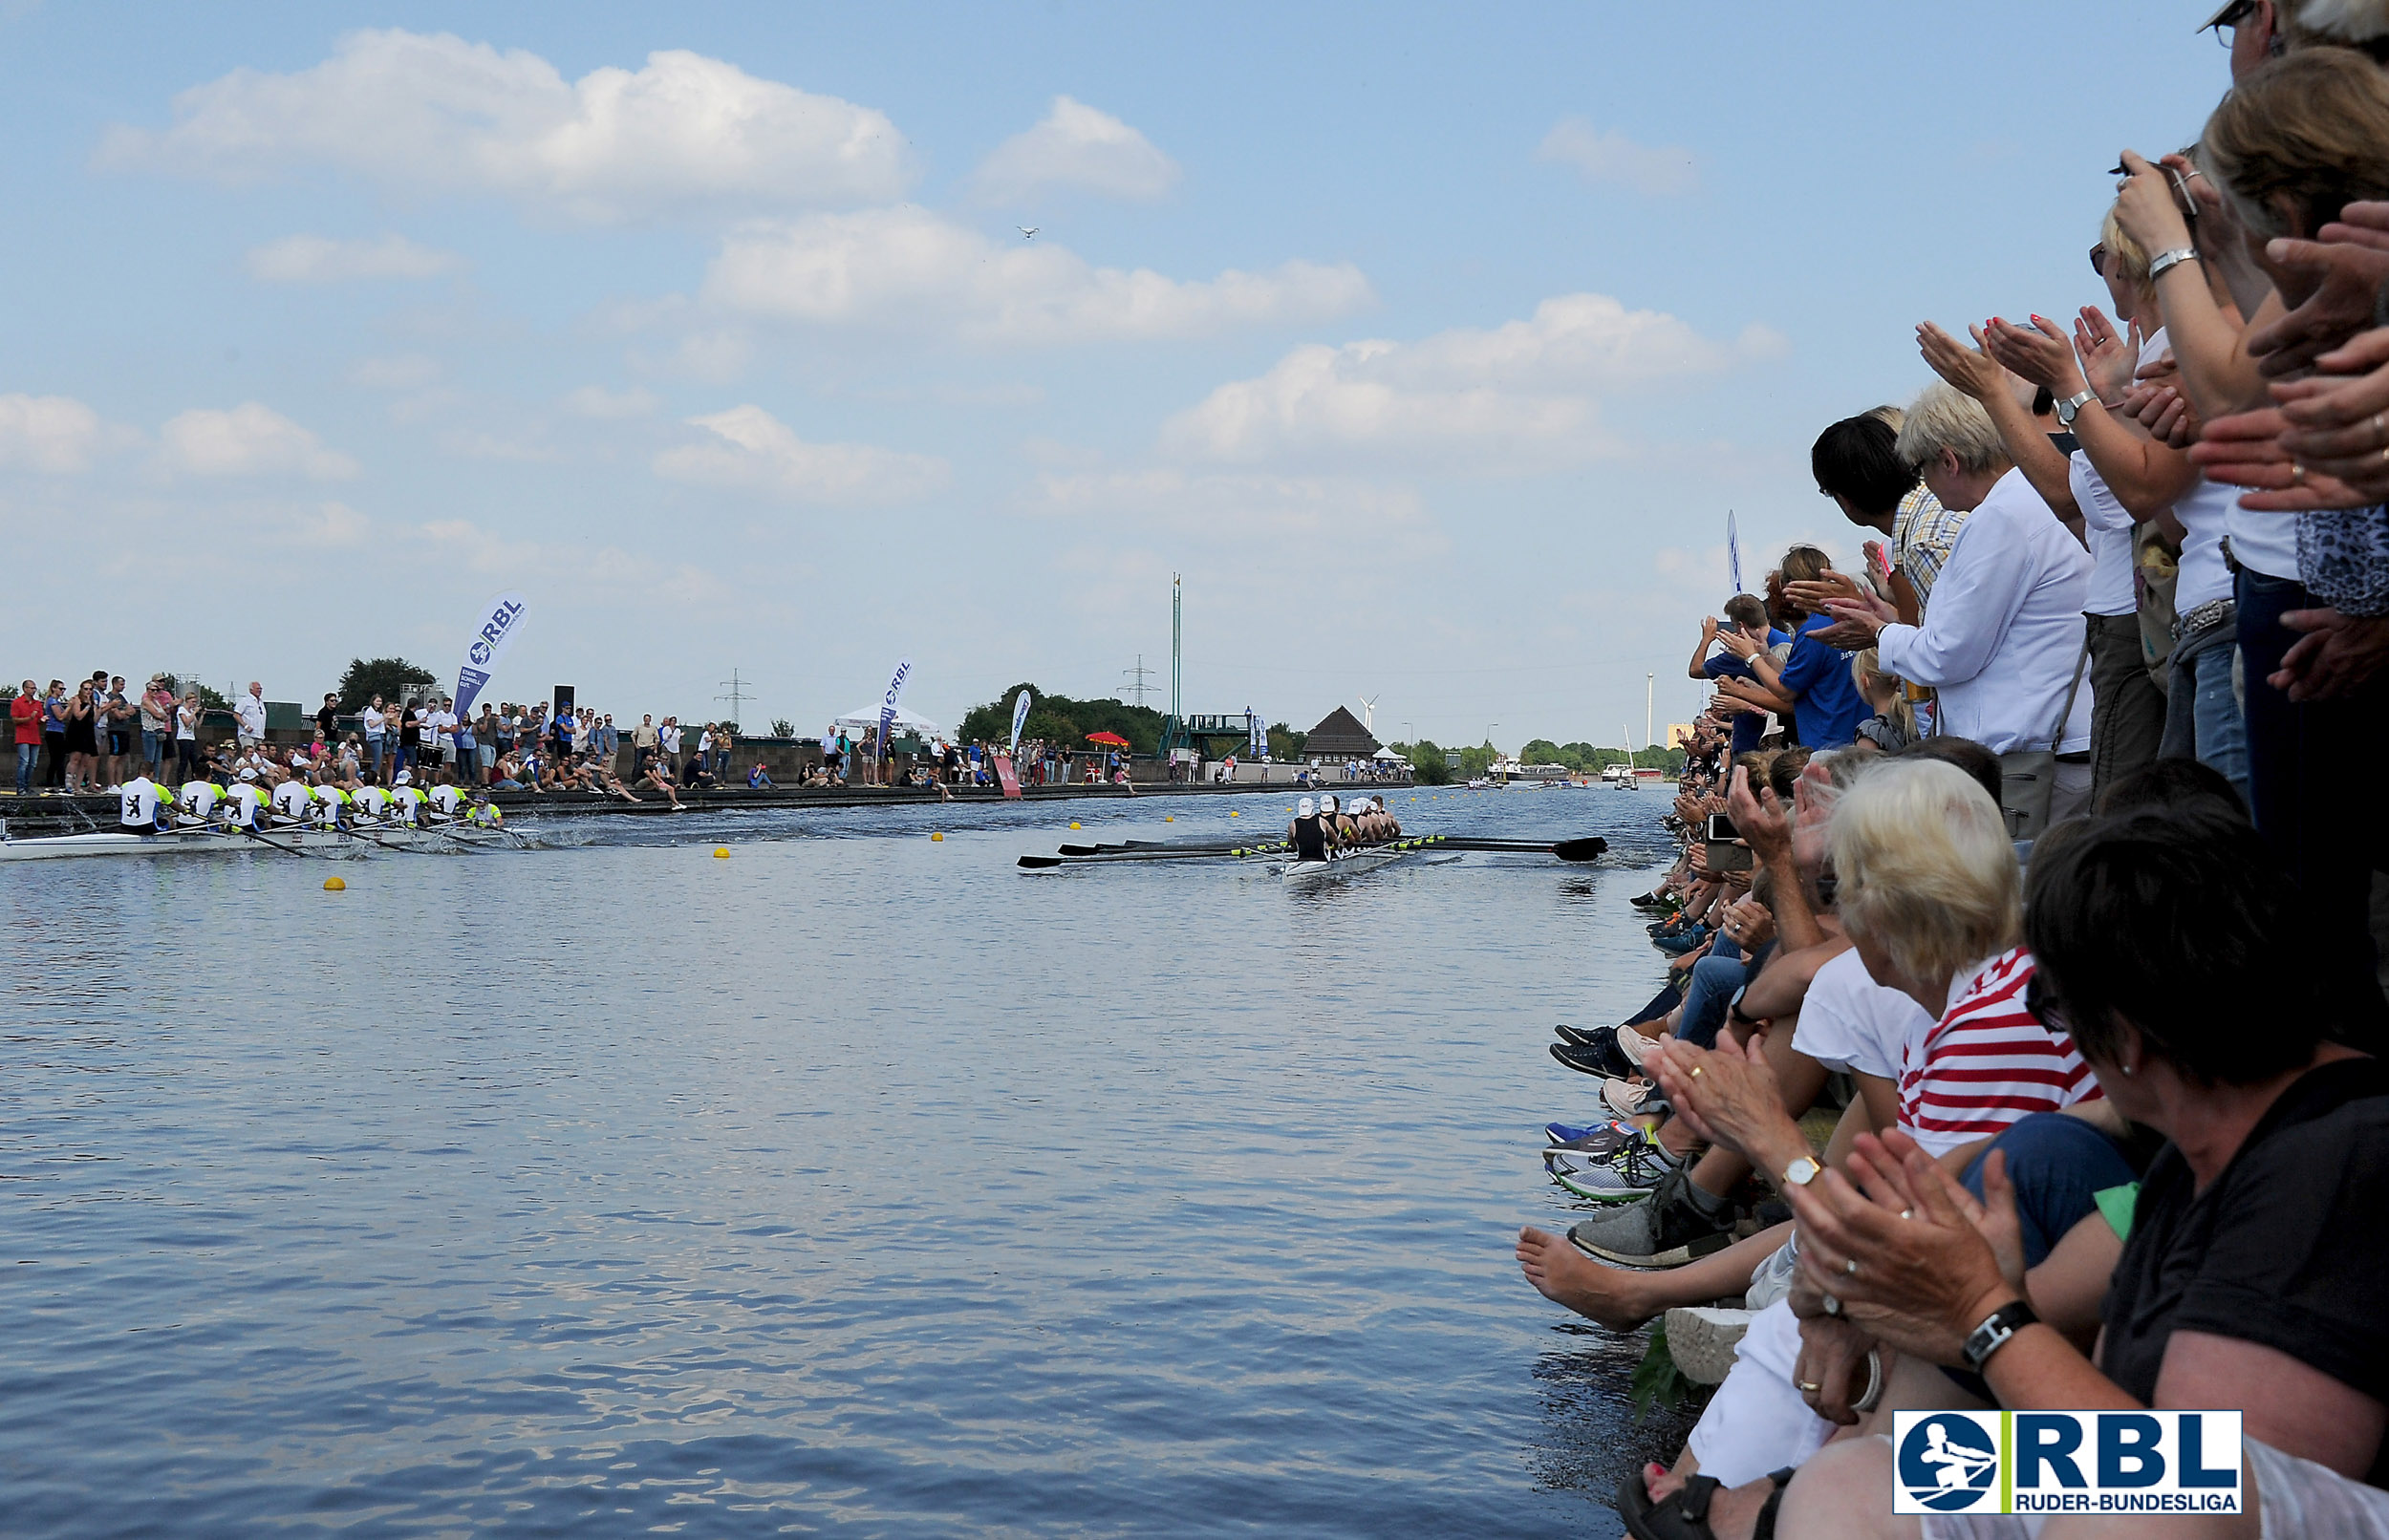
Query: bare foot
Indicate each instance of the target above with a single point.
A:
(1613, 1296)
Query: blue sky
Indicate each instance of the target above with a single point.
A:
(1431, 344)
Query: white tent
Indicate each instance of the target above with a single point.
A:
(864, 719)
(1386, 754)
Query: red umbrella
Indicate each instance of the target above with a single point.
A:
(1113, 739)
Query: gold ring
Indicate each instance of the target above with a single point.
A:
(1696, 1072)
(1809, 1387)
(2297, 474)
(1908, 1213)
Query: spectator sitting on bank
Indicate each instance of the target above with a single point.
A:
(698, 774)
(758, 778)
(658, 777)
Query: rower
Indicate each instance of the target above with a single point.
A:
(198, 799)
(1348, 827)
(445, 798)
(330, 802)
(406, 801)
(1393, 826)
(1308, 836)
(244, 805)
(291, 802)
(370, 801)
(1332, 824)
(141, 810)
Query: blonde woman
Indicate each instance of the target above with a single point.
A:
(1893, 725)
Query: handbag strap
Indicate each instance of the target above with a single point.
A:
(2065, 713)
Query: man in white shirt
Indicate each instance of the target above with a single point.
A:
(406, 803)
(377, 732)
(372, 803)
(248, 717)
(198, 799)
(2002, 641)
(141, 810)
(243, 805)
(291, 800)
(439, 721)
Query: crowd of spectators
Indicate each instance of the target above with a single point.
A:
(2018, 1048)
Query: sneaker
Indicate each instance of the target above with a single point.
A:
(1589, 1061)
(1648, 901)
(1622, 1176)
(1663, 1230)
(1676, 946)
(1567, 1135)
(1598, 1046)
(1634, 1099)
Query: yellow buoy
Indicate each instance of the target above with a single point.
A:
(1236, 815)
(936, 836)
(1074, 823)
(722, 852)
(335, 885)
(1169, 818)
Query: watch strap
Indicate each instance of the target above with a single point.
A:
(1993, 1333)
(2162, 260)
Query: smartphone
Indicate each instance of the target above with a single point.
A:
(1721, 828)
(1721, 855)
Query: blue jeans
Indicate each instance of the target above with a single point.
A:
(2057, 1162)
(26, 754)
(1715, 980)
(2205, 721)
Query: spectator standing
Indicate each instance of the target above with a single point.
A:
(157, 714)
(2002, 641)
(644, 740)
(668, 742)
(248, 717)
(1826, 707)
(376, 733)
(54, 706)
(1748, 615)
(25, 717)
(327, 718)
(186, 715)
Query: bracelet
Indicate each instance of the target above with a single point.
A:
(2162, 260)
(1874, 1383)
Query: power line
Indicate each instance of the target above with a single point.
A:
(737, 696)
(1140, 689)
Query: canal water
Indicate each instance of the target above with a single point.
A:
(858, 1182)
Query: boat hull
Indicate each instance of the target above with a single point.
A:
(1308, 873)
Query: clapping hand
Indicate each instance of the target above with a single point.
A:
(1910, 1255)
(2108, 356)
(1970, 369)
(1741, 646)
(2335, 656)
(2245, 449)
(1727, 1095)
(1759, 817)
(2039, 353)
(2352, 254)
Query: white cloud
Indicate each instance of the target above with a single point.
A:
(597, 401)
(1610, 156)
(910, 268)
(319, 259)
(1076, 146)
(403, 372)
(331, 527)
(435, 114)
(251, 439)
(1526, 389)
(748, 448)
(53, 434)
(607, 572)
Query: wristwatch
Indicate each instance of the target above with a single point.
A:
(1993, 1333)
(2158, 264)
(2072, 404)
(1800, 1173)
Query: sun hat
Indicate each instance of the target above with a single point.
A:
(1305, 808)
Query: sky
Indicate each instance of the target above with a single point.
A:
(1429, 345)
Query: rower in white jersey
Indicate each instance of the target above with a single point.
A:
(291, 800)
(198, 799)
(331, 802)
(406, 803)
(445, 798)
(243, 805)
(371, 802)
(141, 809)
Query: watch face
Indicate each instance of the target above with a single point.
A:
(1800, 1173)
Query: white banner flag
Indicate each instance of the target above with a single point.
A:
(500, 621)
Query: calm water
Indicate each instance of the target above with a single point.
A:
(857, 1183)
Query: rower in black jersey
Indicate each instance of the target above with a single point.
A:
(1311, 839)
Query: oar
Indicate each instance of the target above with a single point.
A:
(1119, 857)
(286, 850)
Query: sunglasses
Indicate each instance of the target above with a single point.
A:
(2098, 259)
(2044, 1005)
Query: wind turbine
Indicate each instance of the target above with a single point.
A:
(1369, 714)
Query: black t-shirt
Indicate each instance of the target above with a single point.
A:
(327, 721)
(2286, 1250)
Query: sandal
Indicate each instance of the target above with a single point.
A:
(1683, 1514)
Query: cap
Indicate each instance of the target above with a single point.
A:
(1327, 803)
(1305, 808)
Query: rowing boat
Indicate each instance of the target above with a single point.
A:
(218, 838)
(1346, 863)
